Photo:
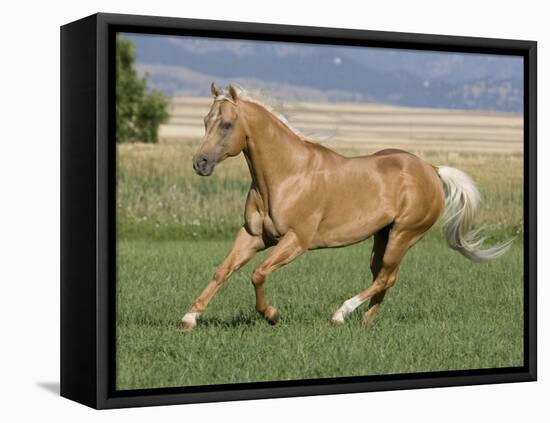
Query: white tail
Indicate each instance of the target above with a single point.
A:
(461, 202)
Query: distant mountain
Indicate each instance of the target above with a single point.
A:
(185, 65)
(178, 80)
(488, 94)
(447, 67)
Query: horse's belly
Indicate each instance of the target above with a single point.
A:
(345, 231)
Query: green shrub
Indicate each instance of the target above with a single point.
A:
(139, 109)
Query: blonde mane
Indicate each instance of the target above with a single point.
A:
(244, 95)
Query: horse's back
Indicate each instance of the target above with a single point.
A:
(389, 151)
(393, 162)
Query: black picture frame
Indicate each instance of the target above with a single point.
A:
(88, 239)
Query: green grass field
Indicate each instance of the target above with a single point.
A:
(174, 228)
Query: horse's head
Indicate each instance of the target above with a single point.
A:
(224, 132)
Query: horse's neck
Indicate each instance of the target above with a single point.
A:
(273, 152)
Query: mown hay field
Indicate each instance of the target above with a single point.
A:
(444, 312)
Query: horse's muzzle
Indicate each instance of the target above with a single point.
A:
(203, 165)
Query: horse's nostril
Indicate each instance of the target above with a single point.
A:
(200, 163)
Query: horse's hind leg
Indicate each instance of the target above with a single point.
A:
(399, 241)
(378, 249)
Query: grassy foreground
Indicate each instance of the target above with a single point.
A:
(442, 314)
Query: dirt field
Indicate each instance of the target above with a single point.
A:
(374, 126)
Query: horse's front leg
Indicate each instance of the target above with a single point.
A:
(288, 248)
(244, 248)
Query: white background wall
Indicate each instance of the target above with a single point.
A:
(29, 235)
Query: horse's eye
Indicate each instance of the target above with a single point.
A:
(227, 125)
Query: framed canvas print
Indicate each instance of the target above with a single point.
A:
(255, 211)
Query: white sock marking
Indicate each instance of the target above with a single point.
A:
(347, 307)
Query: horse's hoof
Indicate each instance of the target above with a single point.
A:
(368, 321)
(188, 322)
(271, 314)
(368, 318)
(338, 318)
(187, 327)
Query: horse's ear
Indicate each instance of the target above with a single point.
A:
(215, 92)
(233, 93)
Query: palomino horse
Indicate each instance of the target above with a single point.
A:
(305, 196)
